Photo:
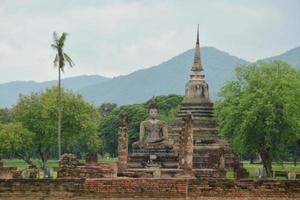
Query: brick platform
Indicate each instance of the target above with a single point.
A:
(143, 188)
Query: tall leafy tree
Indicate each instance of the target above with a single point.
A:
(16, 140)
(59, 61)
(37, 113)
(259, 111)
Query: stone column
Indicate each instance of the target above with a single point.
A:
(186, 147)
(123, 142)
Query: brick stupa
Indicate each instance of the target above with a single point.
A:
(211, 153)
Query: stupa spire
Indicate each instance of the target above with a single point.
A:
(197, 65)
(197, 43)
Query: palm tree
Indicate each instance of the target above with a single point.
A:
(59, 61)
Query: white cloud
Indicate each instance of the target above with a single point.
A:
(117, 37)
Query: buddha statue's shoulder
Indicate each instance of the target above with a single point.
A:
(145, 123)
(149, 123)
(161, 123)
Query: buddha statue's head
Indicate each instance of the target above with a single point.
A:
(153, 110)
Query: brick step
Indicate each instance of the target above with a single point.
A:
(166, 165)
(208, 115)
(146, 160)
(204, 104)
(183, 110)
(206, 173)
(195, 107)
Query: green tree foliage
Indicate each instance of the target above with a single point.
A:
(260, 110)
(5, 116)
(109, 124)
(106, 108)
(38, 113)
(16, 140)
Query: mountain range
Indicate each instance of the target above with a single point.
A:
(168, 77)
(10, 91)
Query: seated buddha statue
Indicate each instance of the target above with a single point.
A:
(153, 132)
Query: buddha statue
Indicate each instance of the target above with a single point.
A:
(153, 132)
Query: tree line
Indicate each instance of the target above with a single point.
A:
(29, 129)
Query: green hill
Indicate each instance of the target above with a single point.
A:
(167, 78)
(10, 91)
(292, 57)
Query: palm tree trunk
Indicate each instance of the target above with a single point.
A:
(59, 113)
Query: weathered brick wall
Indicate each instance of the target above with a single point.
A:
(7, 172)
(226, 188)
(40, 188)
(99, 170)
(142, 188)
(208, 189)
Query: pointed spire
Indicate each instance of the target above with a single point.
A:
(197, 35)
(197, 65)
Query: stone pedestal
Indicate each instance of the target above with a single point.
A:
(140, 158)
(123, 142)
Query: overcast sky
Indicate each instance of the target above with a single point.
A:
(114, 38)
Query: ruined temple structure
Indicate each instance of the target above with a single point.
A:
(152, 155)
(196, 150)
(211, 154)
(70, 167)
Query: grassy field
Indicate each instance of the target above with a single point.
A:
(251, 168)
(20, 164)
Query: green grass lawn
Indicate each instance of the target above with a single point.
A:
(253, 168)
(20, 164)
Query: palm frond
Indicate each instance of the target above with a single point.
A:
(69, 60)
(62, 39)
(55, 62)
(54, 46)
(55, 38)
(60, 57)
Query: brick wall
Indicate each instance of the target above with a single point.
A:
(7, 172)
(154, 188)
(211, 189)
(226, 188)
(40, 188)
